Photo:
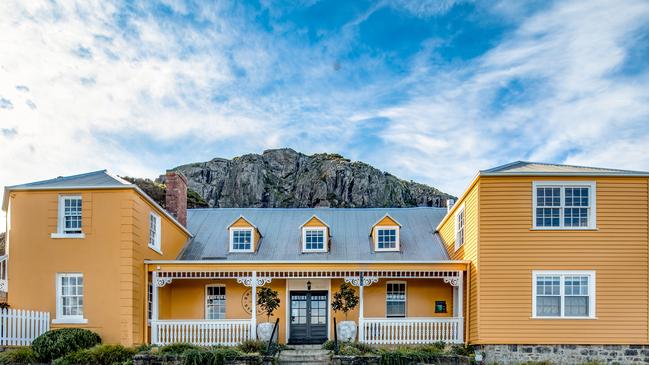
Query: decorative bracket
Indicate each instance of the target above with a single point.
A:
(453, 280)
(259, 281)
(160, 282)
(3, 285)
(367, 280)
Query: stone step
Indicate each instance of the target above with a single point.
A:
(304, 356)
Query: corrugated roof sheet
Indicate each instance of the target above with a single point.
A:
(539, 168)
(99, 178)
(281, 234)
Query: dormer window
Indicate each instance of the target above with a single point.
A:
(244, 236)
(386, 238)
(385, 234)
(314, 239)
(241, 239)
(315, 235)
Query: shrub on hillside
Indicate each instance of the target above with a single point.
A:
(58, 343)
(98, 355)
(23, 355)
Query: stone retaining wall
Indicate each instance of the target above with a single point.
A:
(565, 354)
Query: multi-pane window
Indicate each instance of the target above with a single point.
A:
(314, 239)
(459, 228)
(215, 302)
(154, 231)
(386, 238)
(564, 205)
(69, 296)
(70, 217)
(569, 294)
(395, 298)
(241, 239)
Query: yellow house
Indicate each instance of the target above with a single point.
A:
(96, 252)
(533, 261)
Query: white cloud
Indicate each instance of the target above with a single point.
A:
(580, 110)
(80, 81)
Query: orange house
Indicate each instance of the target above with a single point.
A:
(534, 261)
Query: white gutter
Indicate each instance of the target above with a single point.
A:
(225, 261)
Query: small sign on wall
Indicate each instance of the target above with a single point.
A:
(440, 306)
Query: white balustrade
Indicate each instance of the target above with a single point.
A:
(402, 331)
(227, 332)
(20, 327)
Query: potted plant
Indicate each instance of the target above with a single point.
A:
(268, 301)
(344, 300)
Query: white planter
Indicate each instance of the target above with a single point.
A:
(265, 330)
(346, 331)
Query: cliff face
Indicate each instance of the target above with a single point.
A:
(286, 178)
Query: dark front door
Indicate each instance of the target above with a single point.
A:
(308, 317)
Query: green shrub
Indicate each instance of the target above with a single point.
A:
(252, 346)
(462, 350)
(98, 355)
(217, 356)
(177, 348)
(58, 343)
(23, 355)
(328, 345)
(143, 348)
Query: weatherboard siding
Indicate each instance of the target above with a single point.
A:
(468, 251)
(510, 250)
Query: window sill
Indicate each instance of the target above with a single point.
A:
(156, 249)
(69, 321)
(242, 251)
(386, 250)
(314, 251)
(569, 318)
(68, 235)
(563, 229)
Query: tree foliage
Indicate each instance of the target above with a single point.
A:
(268, 300)
(345, 299)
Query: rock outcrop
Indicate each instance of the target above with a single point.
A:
(283, 178)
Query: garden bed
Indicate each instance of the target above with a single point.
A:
(353, 353)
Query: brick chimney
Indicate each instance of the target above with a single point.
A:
(176, 198)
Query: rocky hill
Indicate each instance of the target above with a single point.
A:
(286, 178)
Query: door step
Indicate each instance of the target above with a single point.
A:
(305, 354)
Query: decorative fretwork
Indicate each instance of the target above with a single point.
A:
(259, 280)
(310, 274)
(160, 282)
(3, 286)
(453, 280)
(367, 280)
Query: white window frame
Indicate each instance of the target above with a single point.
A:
(325, 240)
(60, 233)
(405, 302)
(460, 211)
(149, 296)
(376, 239)
(252, 238)
(592, 207)
(157, 240)
(225, 315)
(591, 292)
(60, 318)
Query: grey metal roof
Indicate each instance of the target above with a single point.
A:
(99, 178)
(281, 234)
(539, 168)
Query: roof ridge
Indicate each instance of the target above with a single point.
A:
(62, 178)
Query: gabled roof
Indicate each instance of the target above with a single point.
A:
(245, 219)
(283, 237)
(521, 168)
(317, 218)
(101, 179)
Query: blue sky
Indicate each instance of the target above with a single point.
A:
(431, 91)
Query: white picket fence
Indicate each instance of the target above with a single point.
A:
(20, 327)
(398, 331)
(227, 332)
